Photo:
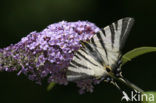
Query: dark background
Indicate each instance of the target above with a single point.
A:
(19, 17)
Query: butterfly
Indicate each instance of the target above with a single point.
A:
(101, 55)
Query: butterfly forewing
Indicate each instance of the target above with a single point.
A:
(110, 40)
(84, 64)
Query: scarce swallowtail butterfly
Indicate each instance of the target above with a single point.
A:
(101, 56)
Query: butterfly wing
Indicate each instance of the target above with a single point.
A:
(103, 49)
(111, 40)
(86, 63)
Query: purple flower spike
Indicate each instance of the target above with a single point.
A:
(48, 53)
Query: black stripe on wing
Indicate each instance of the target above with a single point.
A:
(116, 25)
(93, 42)
(112, 34)
(75, 76)
(127, 24)
(102, 42)
(70, 72)
(92, 50)
(70, 65)
(79, 65)
(77, 57)
(103, 31)
(84, 57)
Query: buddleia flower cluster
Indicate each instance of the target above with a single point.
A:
(47, 54)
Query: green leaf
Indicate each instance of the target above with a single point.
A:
(151, 97)
(136, 52)
(50, 86)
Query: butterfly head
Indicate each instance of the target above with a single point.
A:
(114, 69)
(108, 69)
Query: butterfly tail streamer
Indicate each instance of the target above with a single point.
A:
(131, 85)
(128, 83)
(118, 87)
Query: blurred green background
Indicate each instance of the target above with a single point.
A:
(19, 17)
